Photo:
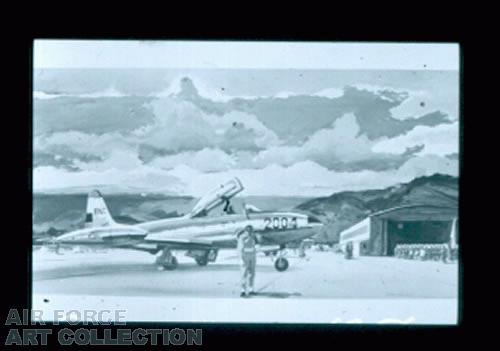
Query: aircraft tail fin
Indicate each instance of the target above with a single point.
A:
(97, 212)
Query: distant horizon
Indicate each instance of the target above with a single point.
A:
(159, 195)
(73, 191)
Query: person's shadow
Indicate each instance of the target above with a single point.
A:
(276, 294)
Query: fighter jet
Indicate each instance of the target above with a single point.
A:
(200, 235)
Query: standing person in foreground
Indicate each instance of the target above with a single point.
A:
(247, 242)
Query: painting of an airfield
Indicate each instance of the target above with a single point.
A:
(369, 158)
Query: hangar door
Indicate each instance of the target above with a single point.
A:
(416, 232)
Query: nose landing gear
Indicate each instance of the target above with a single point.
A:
(281, 263)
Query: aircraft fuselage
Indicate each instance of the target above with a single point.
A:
(274, 228)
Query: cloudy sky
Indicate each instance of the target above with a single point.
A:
(287, 119)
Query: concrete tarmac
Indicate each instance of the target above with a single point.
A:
(320, 275)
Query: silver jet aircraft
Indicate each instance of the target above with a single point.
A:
(198, 234)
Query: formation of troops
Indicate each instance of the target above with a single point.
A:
(435, 252)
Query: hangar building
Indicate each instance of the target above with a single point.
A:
(379, 233)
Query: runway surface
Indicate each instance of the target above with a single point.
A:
(322, 288)
(319, 275)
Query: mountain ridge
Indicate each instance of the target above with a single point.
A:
(341, 210)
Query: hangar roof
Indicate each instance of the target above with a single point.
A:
(418, 212)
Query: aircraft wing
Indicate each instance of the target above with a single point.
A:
(181, 241)
(213, 238)
(183, 244)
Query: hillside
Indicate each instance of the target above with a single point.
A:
(341, 210)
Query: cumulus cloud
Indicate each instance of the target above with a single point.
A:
(389, 94)
(331, 93)
(427, 165)
(439, 140)
(42, 95)
(342, 141)
(117, 159)
(71, 142)
(420, 103)
(47, 178)
(305, 178)
(179, 128)
(308, 178)
(206, 160)
(235, 120)
(189, 86)
(184, 148)
(278, 170)
(412, 103)
(340, 147)
(182, 126)
(109, 92)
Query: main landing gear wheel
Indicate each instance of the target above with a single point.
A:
(281, 264)
(201, 261)
(173, 264)
(166, 260)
